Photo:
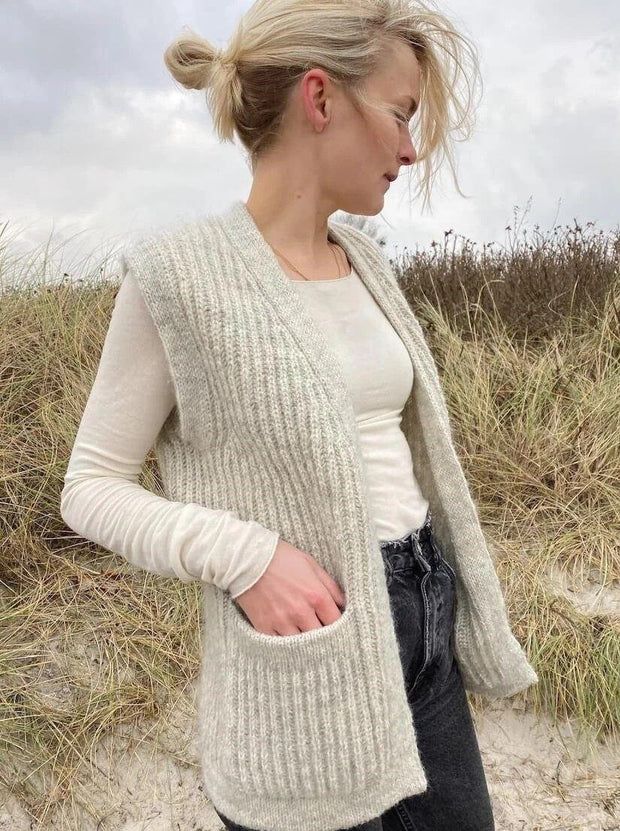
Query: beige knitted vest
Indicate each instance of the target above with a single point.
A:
(306, 732)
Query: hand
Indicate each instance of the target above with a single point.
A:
(293, 595)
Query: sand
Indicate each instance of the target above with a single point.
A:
(541, 777)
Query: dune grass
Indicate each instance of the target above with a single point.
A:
(527, 341)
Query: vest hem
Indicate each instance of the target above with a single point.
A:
(327, 812)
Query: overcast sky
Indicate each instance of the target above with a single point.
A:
(97, 139)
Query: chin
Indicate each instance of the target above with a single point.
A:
(374, 211)
(364, 209)
(362, 204)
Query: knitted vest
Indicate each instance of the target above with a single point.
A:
(313, 731)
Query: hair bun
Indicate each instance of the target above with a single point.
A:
(190, 60)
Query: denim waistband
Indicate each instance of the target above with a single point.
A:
(416, 544)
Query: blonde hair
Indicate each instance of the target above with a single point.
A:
(277, 41)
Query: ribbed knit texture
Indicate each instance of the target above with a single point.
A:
(307, 732)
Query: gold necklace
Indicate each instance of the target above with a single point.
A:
(332, 247)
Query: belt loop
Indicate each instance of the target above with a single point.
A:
(414, 537)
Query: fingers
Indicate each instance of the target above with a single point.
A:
(327, 606)
(335, 592)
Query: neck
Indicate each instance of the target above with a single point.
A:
(308, 255)
(292, 220)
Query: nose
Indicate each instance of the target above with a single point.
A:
(408, 155)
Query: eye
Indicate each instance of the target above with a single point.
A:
(400, 117)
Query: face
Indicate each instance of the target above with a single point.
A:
(353, 151)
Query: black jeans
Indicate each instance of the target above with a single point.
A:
(422, 589)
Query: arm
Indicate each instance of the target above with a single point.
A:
(101, 500)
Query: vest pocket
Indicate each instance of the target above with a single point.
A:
(240, 624)
(300, 716)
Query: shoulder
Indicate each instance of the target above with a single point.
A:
(365, 245)
(355, 235)
(169, 245)
(358, 239)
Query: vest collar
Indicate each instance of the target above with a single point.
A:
(375, 272)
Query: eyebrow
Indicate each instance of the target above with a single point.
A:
(413, 103)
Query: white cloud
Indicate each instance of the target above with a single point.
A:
(96, 136)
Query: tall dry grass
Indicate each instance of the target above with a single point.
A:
(527, 341)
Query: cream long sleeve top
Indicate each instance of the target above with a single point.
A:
(133, 394)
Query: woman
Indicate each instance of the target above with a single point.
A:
(304, 442)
